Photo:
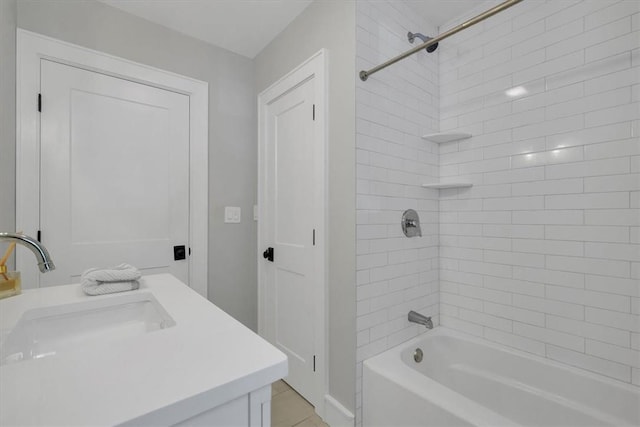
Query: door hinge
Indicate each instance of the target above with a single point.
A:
(40, 103)
(314, 111)
(39, 236)
(314, 363)
(314, 237)
(189, 251)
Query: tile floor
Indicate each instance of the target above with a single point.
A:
(289, 409)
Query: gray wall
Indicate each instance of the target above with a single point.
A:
(331, 25)
(232, 124)
(7, 116)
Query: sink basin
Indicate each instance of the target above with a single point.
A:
(46, 331)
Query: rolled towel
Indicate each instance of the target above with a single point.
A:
(120, 278)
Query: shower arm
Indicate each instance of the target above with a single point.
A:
(364, 75)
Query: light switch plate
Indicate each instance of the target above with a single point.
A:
(232, 214)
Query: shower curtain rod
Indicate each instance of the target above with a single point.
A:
(364, 75)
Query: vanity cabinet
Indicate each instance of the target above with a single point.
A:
(161, 355)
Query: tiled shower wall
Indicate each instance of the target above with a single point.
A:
(543, 253)
(394, 274)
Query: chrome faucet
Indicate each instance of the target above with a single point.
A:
(42, 255)
(420, 319)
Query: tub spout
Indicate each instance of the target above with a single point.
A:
(420, 319)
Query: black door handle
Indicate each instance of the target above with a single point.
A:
(268, 254)
(179, 252)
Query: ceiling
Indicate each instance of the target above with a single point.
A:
(247, 26)
(241, 26)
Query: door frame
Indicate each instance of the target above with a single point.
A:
(315, 67)
(31, 48)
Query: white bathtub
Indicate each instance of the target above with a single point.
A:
(466, 381)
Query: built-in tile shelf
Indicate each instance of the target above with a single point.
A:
(439, 138)
(441, 185)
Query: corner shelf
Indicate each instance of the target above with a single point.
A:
(442, 185)
(439, 138)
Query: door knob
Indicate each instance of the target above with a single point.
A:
(268, 254)
(179, 252)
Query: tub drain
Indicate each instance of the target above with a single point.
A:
(417, 355)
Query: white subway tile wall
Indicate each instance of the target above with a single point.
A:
(393, 110)
(542, 253)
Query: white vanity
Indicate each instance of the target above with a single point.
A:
(161, 355)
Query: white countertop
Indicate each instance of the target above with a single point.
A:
(206, 359)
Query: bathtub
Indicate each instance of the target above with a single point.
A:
(466, 381)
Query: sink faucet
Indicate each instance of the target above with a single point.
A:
(42, 255)
(420, 319)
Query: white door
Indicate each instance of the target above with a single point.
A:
(114, 183)
(292, 223)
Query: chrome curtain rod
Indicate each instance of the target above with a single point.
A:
(364, 75)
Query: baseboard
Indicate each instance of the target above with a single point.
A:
(335, 414)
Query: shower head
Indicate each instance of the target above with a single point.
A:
(412, 36)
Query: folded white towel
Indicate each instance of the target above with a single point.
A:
(120, 278)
